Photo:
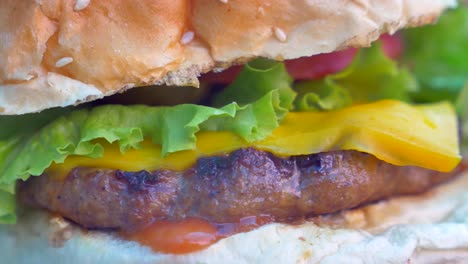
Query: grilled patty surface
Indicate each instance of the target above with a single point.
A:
(224, 189)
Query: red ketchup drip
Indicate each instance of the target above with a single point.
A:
(192, 234)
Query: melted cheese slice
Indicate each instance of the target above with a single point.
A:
(425, 136)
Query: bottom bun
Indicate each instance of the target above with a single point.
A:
(429, 228)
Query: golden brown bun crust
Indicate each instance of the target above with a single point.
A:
(62, 52)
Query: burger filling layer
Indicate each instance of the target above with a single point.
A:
(272, 146)
(222, 195)
(227, 188)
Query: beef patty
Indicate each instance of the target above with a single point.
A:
(223, 189)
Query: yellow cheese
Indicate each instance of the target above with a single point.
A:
(393, 131)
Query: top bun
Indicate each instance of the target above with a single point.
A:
(64, 52)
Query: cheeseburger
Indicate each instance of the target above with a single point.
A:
(212, 131)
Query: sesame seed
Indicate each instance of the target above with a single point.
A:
(261, 11)
(187, 37)
(224, 1)
(81, 4)
(63, 61)
(279, 34)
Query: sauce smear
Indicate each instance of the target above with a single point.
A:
(192, 234)
(177, 237)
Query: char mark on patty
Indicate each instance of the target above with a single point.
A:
(224, 189)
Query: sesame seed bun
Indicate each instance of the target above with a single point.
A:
(64, 52)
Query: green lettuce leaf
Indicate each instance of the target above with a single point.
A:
(7, 208)
(371, 76)
(464, 139)
(29, 147)
(321, 96)
(256, 79)
(438, 56)
(461, 105)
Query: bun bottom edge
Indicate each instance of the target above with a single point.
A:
(428, 228)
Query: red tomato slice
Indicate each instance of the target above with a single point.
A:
(225, 77)
(317, 66)
(392, 45)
